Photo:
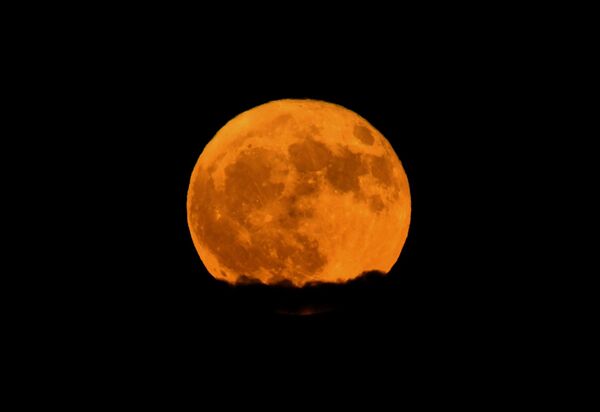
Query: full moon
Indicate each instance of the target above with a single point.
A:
(298, 192)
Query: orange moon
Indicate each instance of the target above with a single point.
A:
(297, 192)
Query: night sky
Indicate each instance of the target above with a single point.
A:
(445, 120)
(125, 101)
(428, 121)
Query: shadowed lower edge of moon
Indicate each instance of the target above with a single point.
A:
(244, 280)
(315, 298)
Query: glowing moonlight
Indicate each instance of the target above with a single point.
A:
(298, 191)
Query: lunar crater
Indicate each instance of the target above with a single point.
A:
(364, 135)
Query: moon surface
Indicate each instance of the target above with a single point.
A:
(296, 192)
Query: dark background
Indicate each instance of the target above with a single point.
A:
(439, 114)
(450, 106)
(124, 106)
